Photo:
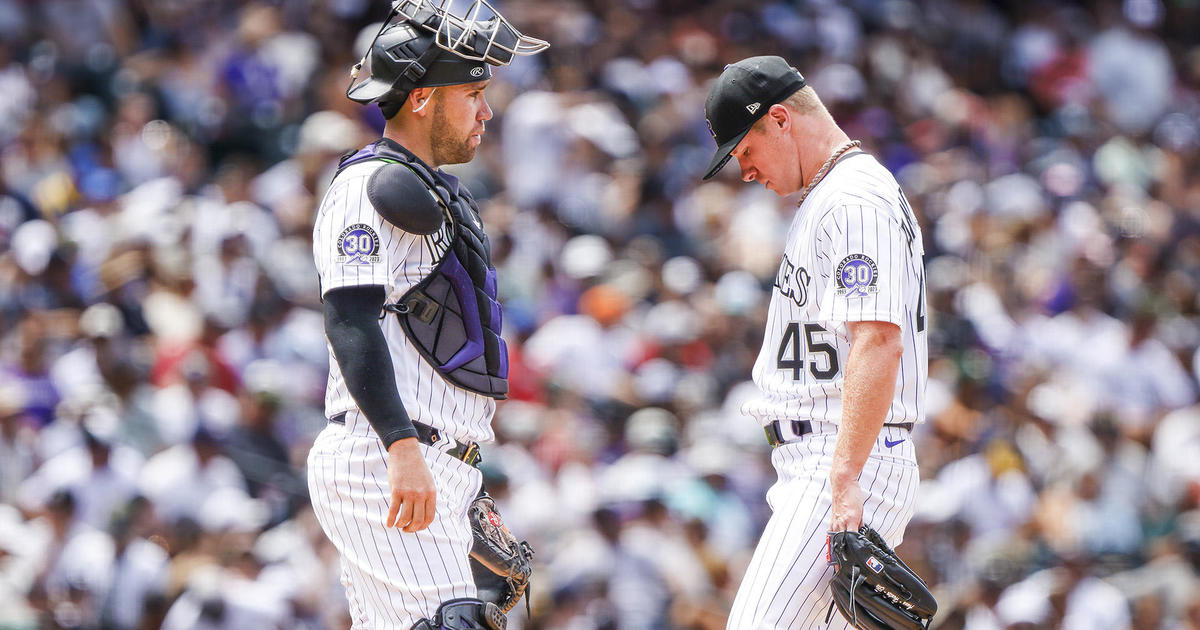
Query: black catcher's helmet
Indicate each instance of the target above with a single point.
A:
(424, 43)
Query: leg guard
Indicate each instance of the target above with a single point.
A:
(464, 614)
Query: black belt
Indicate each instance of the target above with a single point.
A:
(775, 437)
(467, 452)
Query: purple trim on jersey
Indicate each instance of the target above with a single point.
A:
(369, 153)
(449, 180)
(464, 290)
(362, 155)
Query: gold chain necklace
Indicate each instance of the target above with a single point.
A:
(825, 167)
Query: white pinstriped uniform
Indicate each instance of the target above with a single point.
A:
(405, 259)
(392, 578)
(853, 253)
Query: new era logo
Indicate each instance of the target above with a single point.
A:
(874, 564)
(753, 107)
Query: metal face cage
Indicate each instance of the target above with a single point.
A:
(478, 33)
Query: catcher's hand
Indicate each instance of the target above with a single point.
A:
(873, 588)
(500, 563)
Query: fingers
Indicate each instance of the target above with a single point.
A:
(413, 494)
(845, 522)
(418, 516)
(846, 525)
(845, 519)
(411, 511)
(393, 511)
(406, 513)
(423, 513)
(421, 518)
(430, 510)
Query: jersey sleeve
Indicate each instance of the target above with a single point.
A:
(865, 261)
(350, 240)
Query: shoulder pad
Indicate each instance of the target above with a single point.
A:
(401, 198)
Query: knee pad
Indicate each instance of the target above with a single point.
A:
(466, 613)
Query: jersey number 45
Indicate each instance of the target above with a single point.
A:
(792, 352)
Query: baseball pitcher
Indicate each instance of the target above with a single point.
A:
(843, 364)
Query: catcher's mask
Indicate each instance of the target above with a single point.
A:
(426, 43)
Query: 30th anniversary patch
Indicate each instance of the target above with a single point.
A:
(856, 276)
(358, 245)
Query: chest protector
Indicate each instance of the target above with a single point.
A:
(451, 316)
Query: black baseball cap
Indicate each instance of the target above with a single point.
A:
(743, 94)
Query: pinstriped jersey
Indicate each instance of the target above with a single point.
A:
(853, 253)
(354, 246)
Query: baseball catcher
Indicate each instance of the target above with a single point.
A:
(413, 324)
(873, 588)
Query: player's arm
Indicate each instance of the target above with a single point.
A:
(867, 389)
(870, 252)
(352, 326)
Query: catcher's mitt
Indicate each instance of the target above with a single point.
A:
(873, 588)
(500, 564)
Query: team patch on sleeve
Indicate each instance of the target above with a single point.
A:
(857, 276)
(358, 245)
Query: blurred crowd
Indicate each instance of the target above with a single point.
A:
(164, 362)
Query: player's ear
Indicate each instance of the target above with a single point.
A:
(779, 116)
(419, 98)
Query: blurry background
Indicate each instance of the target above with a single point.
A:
(164, 362)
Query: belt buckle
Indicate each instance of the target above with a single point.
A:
(774, 434)
(470, 455)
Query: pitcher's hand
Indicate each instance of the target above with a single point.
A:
(847, 508)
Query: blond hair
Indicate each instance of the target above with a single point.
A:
(803, 101)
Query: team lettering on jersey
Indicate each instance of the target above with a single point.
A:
(849, 257)
(853, 254)
(792, 281)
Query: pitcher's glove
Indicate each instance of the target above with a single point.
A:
(500, 564)
(873, 588)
